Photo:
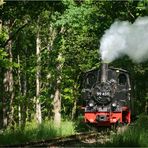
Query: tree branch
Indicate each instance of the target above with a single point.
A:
(129, 12)
(14, 34)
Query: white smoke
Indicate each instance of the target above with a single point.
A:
(124, 38)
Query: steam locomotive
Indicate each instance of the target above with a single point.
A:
(106, 92)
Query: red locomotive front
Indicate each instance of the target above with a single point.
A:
(107, 96)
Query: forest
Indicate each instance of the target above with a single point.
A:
(46, 46)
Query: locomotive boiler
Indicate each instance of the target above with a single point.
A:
(106, 92)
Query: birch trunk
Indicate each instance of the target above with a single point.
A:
(4, 99)
(11, 113)
(22, 83)
(8, 95)
(75, 93)
(11, 85)
(4, 89)
(20, 90)
(25, 101)
(4, 93)
(38, 104)
(57, 105)
(57, 97)
(8, 83)
(74, 109)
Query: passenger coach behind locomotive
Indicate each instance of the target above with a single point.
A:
(107, 96)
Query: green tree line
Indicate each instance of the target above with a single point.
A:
(45, 46)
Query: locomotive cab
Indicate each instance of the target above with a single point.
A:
(107, 98)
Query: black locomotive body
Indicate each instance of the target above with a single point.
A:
(106, 92)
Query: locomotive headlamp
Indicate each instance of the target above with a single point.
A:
(114, 106)
(91, 103)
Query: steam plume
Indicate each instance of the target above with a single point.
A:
(124, 38)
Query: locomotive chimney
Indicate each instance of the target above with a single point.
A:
(104, 72)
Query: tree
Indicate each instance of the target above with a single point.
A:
(46, 48)
(38, 75)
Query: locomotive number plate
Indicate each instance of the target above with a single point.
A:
(103, 93)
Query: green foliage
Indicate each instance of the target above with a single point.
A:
(73, 43)
(3, 54)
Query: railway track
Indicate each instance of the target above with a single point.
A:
(87, 137)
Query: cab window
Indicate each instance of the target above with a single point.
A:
(122, 80)
(91, 78)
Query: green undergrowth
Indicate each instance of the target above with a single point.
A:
(34, 132)
(81, 125)
(136, 135)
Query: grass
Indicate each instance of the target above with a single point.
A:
(81, 125)
(34, 132)
(134, 136)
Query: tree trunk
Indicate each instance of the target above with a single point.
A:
(57, 97)
(22, 83)
(4, 100)
(146, 107)
(8, 82)
(8, 94)
(38, 104)
(11, 85)
(74, 109)
(57, 106)
(75, 93)
(24, 101)
(20, 91)
(3, 90)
